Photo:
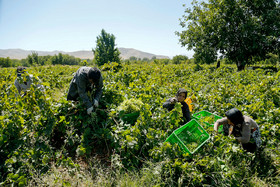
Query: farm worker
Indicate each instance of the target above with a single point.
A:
(243, 128)
(24, 80)
(181, 95)
(86, 79)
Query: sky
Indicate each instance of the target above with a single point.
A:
(73, 25)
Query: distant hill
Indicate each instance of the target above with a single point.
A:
(126, 53)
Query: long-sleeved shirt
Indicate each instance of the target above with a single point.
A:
(246, 128)
(80, 85)
(185, 108)
(23, 84)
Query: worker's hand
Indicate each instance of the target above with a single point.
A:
(89, 110)
(24, 94)
(230, 130)
(238, 139)
(216, 127)
(173, 100)
(95, 103)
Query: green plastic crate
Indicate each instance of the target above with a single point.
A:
(189, 137)
(205, 113)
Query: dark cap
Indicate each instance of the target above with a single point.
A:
(94, 74)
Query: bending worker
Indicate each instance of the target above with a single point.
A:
(24, 81)
(243, 128)
(86, 79)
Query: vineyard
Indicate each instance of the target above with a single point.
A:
(46, 140)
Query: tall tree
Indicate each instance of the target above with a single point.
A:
(33, 59)
(178, 59)
(6, 62)
(106, 50)
(238, 29)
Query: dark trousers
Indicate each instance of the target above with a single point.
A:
(250, 147)
(71, 98)
(73, 90)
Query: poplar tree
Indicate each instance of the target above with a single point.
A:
(106, 50)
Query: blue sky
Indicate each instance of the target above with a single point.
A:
(71, 25)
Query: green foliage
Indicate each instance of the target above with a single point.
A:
(64, 59)
(205, 55)
(178, 59)
(133, 58)
(113, 66)
(272, 59)
(34, 60)
(40, 132)
(162, 61)
(5, 62)
(105, 50)
(240, 30)
(130, 106)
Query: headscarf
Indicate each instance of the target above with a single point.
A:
(235, 116)
(21, 70)
(182, 90)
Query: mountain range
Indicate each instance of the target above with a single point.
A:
(126, 53)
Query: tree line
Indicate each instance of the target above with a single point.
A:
(34, 59)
